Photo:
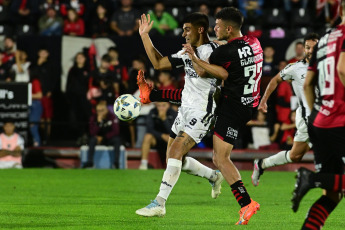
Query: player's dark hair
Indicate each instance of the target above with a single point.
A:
(197, 20)
(113, 48)
(106, 58)
(311, 36)
(232, 15)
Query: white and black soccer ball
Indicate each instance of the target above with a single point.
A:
(127, 107)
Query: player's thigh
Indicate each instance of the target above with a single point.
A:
(180, 146)
(329, 149)
(301, 134)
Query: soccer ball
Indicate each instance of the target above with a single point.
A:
(127, 107)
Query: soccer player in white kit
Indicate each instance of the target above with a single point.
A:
(295, 72)
(195, 114)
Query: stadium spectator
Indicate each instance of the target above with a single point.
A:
(268, 66)
(50, 24)
(9, 51)
(138, 63)
(11, 147)
(262, 138)
(5, 13)
(77, 5)
(35, 111)
(46, 4)
(100, 23)
(164, 81)
(21, 68)
(283, 110)
(24, 11)
(163, 21)
(44, 71)
(120, 71)
(251, 10)
(76, 90)
(287, 131)
(299, 53)
(104, 130)
(330, 10)
(124, 21)
(289, 4)
(203, 8)
(73, 25)
(4, 70)
(159, 122)
(107, 81)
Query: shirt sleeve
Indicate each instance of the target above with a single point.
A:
(220, 57)
(288, 72)
(20, 142)
(176, 60)
(312, 63)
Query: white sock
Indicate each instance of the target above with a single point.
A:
(144, 162)
(170, 177)
(194, 167)
(280, 158)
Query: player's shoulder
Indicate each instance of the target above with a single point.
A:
(209, 46)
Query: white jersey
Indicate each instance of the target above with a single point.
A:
(296, 72)
(198, 93)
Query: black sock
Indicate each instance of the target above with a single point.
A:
(166, 95)
(332, 182)
(240, 193)
(318, 213)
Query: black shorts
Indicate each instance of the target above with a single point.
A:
(329, 149)
(231, 118)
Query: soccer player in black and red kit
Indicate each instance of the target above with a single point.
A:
(326, 124)
(239, 64)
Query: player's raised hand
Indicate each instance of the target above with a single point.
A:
(188, 49)
(145, 24)
(263, 107)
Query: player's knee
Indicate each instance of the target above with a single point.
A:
(296, 157)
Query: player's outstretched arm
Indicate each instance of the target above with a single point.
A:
(272, 85)
(158, 61)
(309, 88)
(215, 70)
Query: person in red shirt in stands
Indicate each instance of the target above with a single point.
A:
(73, 25)
(164, 81)
(35, 111)
(299, 50)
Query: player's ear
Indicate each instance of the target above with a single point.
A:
(229, 29)
(201, 30)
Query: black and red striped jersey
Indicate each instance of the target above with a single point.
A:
(242, 57)
(330, 96)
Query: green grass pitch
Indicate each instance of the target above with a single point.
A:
(107, 199)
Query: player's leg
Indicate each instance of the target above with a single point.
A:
(148, 141)
(148, 94)
(300, 146)
(179, 147)
(329, 145)
(222, 160)
(283, 157)
(321, 209)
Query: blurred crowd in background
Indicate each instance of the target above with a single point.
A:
(89, 84)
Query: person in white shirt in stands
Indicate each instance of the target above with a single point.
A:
(21, 67)
(11, 147)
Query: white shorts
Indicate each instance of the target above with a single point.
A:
(302, 128)
(194, 122)
(10, 165)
